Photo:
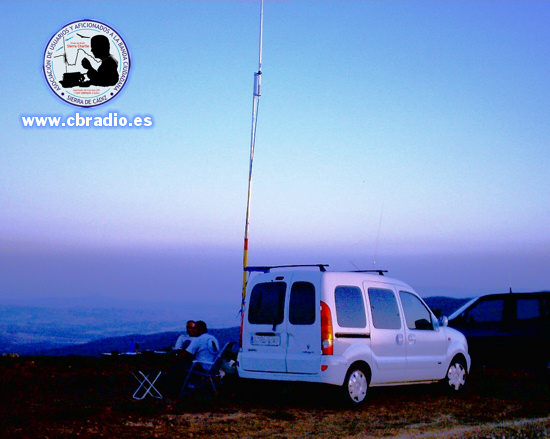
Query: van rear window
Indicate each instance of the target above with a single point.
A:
(302, 304)
(528, 309)
(267, 303)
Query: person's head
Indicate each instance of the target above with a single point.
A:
(100, 46)
(190, 327)
(201, 327)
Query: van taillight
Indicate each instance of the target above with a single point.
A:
(326, 330)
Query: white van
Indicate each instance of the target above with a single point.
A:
(349, 329)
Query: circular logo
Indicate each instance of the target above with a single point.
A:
(86, 63)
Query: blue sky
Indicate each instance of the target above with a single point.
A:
(413, 135)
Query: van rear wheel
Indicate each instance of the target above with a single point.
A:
(356, 385)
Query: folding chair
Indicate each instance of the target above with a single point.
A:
(207, 370)
(146, 386)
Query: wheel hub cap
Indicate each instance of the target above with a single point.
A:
(457, 376)
(357, 386)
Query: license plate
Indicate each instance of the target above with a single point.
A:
(266, 340)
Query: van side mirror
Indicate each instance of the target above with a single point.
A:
(443, 321)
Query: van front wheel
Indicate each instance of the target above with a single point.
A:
(355, 386)
(457, 374)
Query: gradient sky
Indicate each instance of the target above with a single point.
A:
(412, 136)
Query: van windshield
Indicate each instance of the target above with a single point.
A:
(267, 303)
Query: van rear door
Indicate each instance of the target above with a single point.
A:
(264, 331)
(304, 326)
(282, 329)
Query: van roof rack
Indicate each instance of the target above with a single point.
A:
(267, 269)
(380, 272)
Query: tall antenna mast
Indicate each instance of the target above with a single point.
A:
(255, 103)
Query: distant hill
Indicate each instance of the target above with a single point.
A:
(128, 343)
(27, 330)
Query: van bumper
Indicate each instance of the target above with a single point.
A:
(333, 370)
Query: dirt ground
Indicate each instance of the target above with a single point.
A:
(68, 397)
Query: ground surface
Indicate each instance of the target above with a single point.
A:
(68, 397)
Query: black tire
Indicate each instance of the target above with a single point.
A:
(457, 375)
(356, 385)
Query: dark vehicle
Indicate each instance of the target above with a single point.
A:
(506, 329)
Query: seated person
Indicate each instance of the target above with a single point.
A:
(184, 339)
(203, 348)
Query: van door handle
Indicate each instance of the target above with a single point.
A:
(399, 339)
(412, 339)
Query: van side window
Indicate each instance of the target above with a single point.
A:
(350, 309)
(267, 303)
(302, 304)
(383, 305)
(417, 315)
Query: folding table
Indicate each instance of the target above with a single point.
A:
(146, 385)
